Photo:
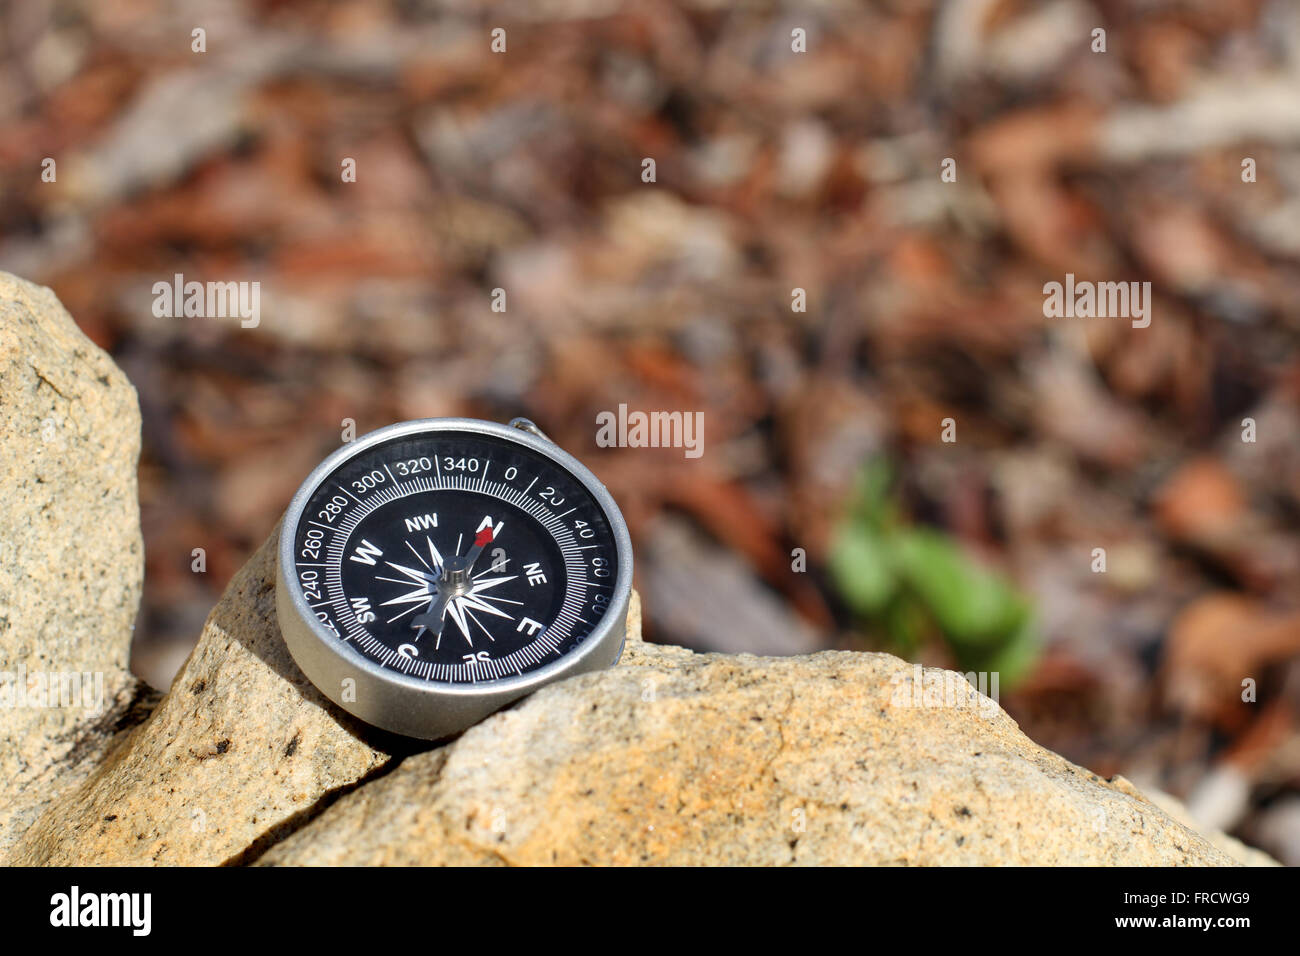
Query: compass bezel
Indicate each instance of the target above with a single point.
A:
(419, 707)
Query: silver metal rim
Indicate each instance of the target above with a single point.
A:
(409, 705)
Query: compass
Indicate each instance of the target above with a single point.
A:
(433, 571)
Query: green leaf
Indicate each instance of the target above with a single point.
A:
(860, 567)
(971, 604)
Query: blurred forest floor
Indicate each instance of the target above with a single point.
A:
(776, 170)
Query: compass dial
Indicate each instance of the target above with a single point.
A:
(455, 557)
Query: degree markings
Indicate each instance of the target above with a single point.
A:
(545, 643)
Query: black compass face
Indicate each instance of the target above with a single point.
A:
(455, 557)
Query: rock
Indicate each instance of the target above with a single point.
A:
(1243, 854)
(682, 758)
(71, 558)
(241, 748)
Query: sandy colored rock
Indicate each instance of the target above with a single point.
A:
(1243, 854)
(71, 556)
(682, 758)
(240, 748)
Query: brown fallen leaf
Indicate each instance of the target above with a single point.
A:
(1204, 507)
(1200, 501)
(1218, 641)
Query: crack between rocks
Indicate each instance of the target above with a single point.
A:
(292, 824)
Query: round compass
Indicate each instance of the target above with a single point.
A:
(433, 571)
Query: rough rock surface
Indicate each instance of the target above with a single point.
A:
(71, 557)
(1241, 852)
(683, 758)
(240, 748)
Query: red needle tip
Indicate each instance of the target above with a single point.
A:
(484, 537)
